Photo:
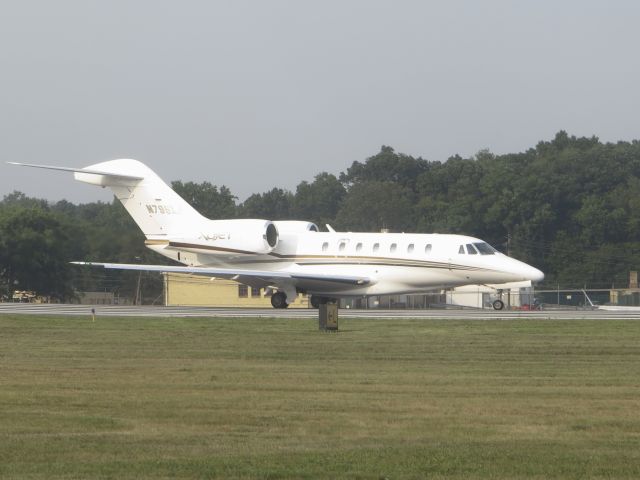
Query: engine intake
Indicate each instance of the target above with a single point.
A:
(271, 235)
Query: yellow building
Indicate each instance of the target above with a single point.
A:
(196, 290)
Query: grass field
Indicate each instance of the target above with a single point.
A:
(256, 398)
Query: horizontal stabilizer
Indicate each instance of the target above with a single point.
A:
(118, 176)
(234, 274)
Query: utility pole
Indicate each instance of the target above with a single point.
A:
(138, 289)
(137, 299)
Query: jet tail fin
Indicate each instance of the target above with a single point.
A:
(156, 208)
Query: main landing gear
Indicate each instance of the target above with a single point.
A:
(279, 300)
(327, 309)
(316, 301)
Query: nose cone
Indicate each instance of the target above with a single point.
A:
(522, 271)
(535, 275)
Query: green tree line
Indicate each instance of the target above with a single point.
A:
(568, 206)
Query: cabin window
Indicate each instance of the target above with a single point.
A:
(358, 247)
(471, 250)
(393, 247)
(243, 291)
(342, 246)
(410, 248)
(461, 249)
(427, 248)
(376, 247)
(255, 292)
(325, 246)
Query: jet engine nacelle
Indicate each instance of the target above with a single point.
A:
(246, 236)
(295, 226)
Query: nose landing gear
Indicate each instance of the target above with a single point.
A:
(498, 304)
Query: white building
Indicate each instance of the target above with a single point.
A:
(514, 294)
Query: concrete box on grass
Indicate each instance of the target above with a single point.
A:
(328, 316)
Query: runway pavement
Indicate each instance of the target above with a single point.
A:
(158, 311)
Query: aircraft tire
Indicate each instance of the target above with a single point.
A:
(314, 301)
(498, 305)
(279, 300)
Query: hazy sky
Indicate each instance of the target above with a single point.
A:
(269, 93)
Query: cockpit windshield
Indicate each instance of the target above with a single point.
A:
(485, 248)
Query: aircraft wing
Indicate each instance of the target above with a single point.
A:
(241, 275)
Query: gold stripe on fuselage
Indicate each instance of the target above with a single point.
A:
(323, 259)
(156, 242)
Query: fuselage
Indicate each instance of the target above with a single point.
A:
(396, 263)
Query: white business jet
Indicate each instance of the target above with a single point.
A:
(288, 257)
